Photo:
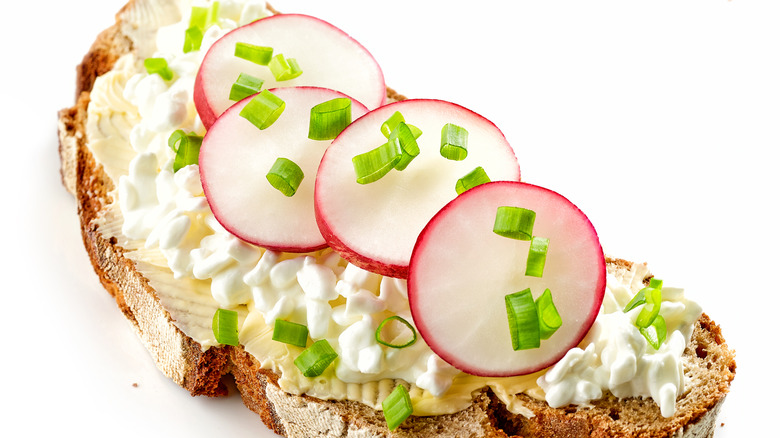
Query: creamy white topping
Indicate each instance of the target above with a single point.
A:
(167, 218)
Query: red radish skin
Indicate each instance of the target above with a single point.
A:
(460, 272)
(236, 156)
(328, 57)
(374, 226)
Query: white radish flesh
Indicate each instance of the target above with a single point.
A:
(327, 56)
(236, 156)
(461, 271)
(375, 225)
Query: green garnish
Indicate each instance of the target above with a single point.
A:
(523, 320)
(388, 323)
(193, 37)
(537, 256)
(187, 148)
(397, 407)
(158, 66)
(655, 333)
(514, 222)
(225, 326)
(283, 68)
(392, 122)
(454, 142)
(476, 177)
(314, 360)
(285, 176)
(290, 333)
(549, 318)
(376, 163)
(329, 118)
(258, 54)
(263, 109)
(408, 143)
(245, 86)
(651, 308)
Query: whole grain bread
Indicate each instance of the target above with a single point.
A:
(710, 364)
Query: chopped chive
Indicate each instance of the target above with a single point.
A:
(212, 16)
(329, 118)
(454, 142)
(392, 122)
(225, 326)
(655, 333)
(376, 163)
(549, 318)
(380, 332)
(523, 320)
(158, 66)
(656, 283)
(514, 222)
(198, 17)
(285, 176)
(314, 360)
(283, 68)
(258, 54)
(476, 177)
(397, 407)
(193, 37)
(263, 109)
(406, 140)
(537, 255)
(245, 86)
(187, 148)
(290, 333)
(651, 308)
(637, 301)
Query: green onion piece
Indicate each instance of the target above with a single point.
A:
(198, 17)
(290, 333)
(655, 333)
(376, 163)
(314, 360)
(392, 122)
(537, 255)
(245, 86)
(225, 326)
(257, 54)
(651, 308)
(523, 320)
(159, 66)
(637, 301)
(329, 118)
(514, 222)
(454, 142)
(549, 318)
(476, 177)
(283, 68)
(397, 407)
(285, 176)
(212, 17)
(408, 143)
(193, 37)
(656, 283)
(388, 322)
(263, 109)
(187, 148)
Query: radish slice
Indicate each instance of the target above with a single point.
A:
(236, 156)
(375, 225)
(328, 57)
(461, 271)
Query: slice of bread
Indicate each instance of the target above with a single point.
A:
(709, 363)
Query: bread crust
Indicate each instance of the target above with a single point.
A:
(200, 371)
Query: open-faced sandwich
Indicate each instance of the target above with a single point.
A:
(262, 205)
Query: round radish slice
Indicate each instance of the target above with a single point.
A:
(461, 271)
(375, 225)
(327, 56)
(236, 156)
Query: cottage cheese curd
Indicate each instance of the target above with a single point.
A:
(163, 219)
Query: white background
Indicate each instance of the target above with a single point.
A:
(660, 120)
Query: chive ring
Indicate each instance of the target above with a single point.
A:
(388, 320)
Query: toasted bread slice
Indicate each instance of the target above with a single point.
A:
(709, 363)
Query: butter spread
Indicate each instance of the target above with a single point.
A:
(163, 219)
